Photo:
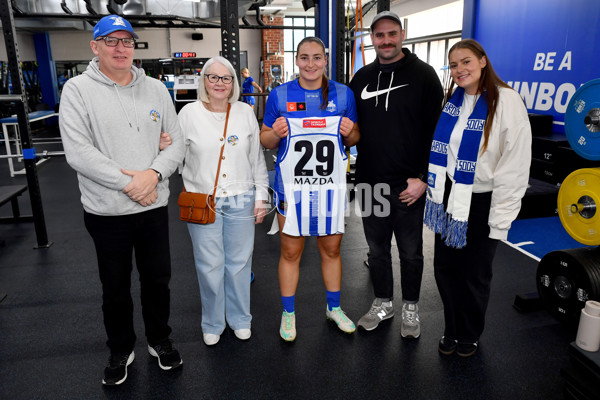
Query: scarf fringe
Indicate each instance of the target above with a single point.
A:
(435, 218)
(456, 233)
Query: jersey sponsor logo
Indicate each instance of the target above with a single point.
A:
(296, 106)
(312, 181)
(475, 124)
(439, 147)
(314, 123)
(465, 165)
(451, 109)
(365, 94)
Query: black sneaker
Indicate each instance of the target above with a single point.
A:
(466, 349)
(168, 356)
(447, 346)
(116, 371)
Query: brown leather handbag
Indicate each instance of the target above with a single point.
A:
(199, 208)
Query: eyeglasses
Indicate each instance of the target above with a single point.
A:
(114, 41)
(212, 78)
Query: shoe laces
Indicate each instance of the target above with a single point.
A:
(340, 313)
(288, 321)
(164, 347)
(410, 315)
(117, 360)
(375, 309)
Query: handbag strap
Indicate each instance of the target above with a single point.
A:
(222, 148)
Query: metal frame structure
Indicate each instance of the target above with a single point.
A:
(230, 34)
(20, 98)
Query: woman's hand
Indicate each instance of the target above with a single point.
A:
(260, 211)
(165, 141)
(346, 126)
(280, 127)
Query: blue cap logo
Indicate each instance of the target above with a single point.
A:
(110, 24)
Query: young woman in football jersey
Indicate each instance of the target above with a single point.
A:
(310, 120)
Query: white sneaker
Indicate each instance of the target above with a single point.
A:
(341, 319)
(243, 334)
(211, 339)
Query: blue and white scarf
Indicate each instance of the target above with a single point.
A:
(452, 224)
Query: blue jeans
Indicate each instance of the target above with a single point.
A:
(223, 257)
(406, 224)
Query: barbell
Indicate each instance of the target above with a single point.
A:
(43, 154)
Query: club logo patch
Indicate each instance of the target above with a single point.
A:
(154, 115)
(232, 140)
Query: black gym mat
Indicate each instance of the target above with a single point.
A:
(52, 338)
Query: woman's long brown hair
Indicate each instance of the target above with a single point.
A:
(324, 79)
(488, 84)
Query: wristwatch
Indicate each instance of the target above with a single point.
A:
(159, 175)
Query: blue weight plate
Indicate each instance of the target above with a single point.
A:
(584, 141)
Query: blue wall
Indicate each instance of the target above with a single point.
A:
(544, 49)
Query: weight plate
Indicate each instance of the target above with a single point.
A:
(566, 279)
(578, 201)
(582, 121)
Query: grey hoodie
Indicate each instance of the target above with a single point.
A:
(106, 127)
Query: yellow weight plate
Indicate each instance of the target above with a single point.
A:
(578, 199)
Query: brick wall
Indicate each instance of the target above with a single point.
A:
(274, 37)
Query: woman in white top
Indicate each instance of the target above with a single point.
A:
(478, 174)
(223, 249)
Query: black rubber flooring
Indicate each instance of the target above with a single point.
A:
(52, 337)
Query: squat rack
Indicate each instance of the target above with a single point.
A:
(22, 110)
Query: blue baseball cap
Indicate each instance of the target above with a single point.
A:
(110, 24)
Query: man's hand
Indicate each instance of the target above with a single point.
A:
(260, 210)
(150, 199)
(141, 185)
(165, 141)
(413, 191)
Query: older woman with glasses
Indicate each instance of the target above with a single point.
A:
(223, 249)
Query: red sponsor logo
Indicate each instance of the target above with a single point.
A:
(291, 106)
(314, 123)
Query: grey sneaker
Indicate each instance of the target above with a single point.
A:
(378, 312)
(411, 326)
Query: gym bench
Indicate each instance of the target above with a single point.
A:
(10, 193)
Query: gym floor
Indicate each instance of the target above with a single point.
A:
(52, 340)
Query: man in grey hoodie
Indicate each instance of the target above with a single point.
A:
(111, 119)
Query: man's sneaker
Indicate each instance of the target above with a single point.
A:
(168, 356)
(287, 331)
(411, 326)
(379, 311)
(341, 319)
(466, 349)
(116, 371)
(447, 346)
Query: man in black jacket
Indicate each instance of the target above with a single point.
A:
(398, 99)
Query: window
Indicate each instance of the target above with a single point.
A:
(291, 37)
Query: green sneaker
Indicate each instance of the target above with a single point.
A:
(288, 326)
(340, 318)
